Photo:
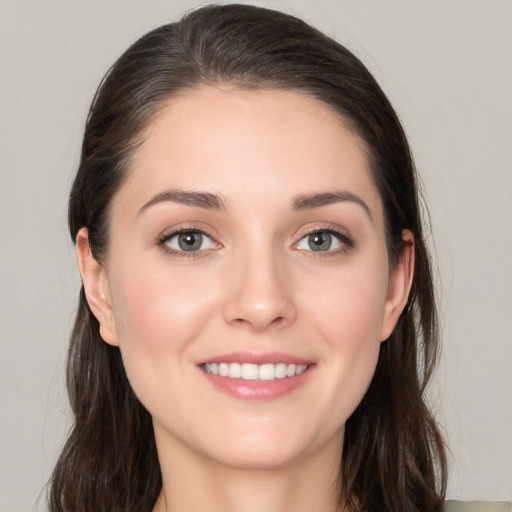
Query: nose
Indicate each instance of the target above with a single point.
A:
(260, 294)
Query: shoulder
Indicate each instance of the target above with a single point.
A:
(477, 506)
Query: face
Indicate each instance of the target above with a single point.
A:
(246, 280)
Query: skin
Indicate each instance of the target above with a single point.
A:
(256, 285)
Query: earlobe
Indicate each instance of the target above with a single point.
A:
(400, 282)
(96, 288)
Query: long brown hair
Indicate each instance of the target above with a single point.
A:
(393, 457)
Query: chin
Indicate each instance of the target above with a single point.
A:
(266, 459)
(271, 448)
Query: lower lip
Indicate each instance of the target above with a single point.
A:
(257, 390)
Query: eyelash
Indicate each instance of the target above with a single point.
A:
(164, 239)
(346, 241)
(342, 237)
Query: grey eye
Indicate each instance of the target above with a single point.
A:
(320, 241)
(189, 241)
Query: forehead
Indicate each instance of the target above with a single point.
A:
(272, 143)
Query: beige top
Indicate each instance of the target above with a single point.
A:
(477, 506)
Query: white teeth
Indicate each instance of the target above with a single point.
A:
(235, 371)
(301, 368)
(223, 369)
(248, 371)
(266, 372)
(281, 370)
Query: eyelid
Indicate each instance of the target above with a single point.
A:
(163, 239)
(340, 234)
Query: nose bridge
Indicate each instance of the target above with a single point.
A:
(259, 294)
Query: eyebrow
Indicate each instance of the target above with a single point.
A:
(200, 199)
(211, 201)
(305, 202)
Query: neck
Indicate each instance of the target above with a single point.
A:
(192, 482)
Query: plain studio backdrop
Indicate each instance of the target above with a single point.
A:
(447, 68)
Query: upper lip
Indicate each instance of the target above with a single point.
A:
(258, 358)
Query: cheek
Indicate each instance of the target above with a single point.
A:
(158, 315)
(349, 306)
(348, 317)
(155, 309)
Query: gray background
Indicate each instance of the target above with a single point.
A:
(447, 68)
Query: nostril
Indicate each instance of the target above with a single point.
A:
(278, 321)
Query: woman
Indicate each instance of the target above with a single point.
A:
(257, 321)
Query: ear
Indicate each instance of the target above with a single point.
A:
(96, 288)
(400, 282)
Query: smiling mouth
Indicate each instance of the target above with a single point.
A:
(255, 372)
